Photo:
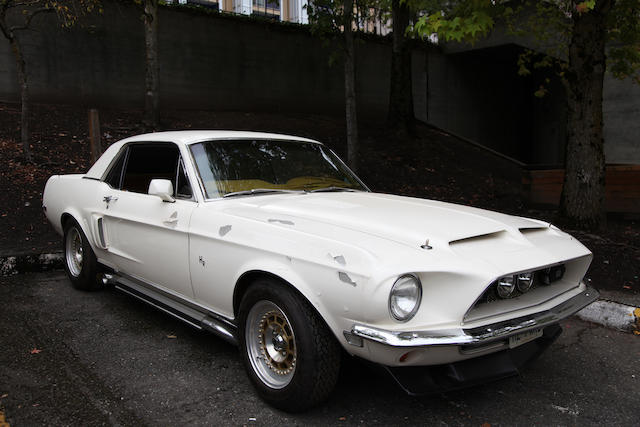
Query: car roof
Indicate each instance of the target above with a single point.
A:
(184, 137)
(192, 136)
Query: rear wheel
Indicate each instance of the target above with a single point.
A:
(290, 355)
(80, 262)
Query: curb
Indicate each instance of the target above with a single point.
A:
(29, 263)
(612, 315)
(609, 314)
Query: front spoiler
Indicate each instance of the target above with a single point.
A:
(420, 380)
(480, 335)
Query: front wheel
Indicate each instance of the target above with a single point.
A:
(79, 260)
(290, 355)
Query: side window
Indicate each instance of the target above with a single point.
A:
(182, 186)
(114, 176)
(149, 161)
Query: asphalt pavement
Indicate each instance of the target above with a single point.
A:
(76, 358)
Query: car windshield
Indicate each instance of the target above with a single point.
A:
(251, 167)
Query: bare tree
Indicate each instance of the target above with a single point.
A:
(17, 16)
(350, 87)
(151, 97)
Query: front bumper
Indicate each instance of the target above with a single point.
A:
(419, 380)
(476, 336)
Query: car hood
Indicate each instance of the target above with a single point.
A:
(401, 219)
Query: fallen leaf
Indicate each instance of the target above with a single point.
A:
(172, 336)
(342, 418)
(35, 350)
(4, 395)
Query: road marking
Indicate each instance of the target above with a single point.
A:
(3, 421)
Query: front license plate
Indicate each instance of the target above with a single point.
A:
(524, 337)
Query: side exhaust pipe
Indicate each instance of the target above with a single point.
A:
(108, 279)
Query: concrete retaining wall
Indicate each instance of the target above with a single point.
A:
(220, 62)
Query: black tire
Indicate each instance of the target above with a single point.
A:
(316, 353)
(80, 262)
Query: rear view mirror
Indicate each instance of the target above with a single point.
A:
(162, 188)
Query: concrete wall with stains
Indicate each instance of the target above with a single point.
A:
(206, 61)
(229, 63)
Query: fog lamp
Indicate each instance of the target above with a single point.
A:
(525, 281)
(506, 286)
(552, 274)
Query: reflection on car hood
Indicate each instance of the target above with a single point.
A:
(402, 219)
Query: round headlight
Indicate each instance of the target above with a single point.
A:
(405, 297)
(525, 280)
(506, 286)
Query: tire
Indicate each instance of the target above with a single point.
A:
(80, 262)
(296, 368)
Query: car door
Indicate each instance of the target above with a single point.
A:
(147, 237)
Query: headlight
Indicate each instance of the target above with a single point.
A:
(405, 297)
(506, 286)
(525, 280)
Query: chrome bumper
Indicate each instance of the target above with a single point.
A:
(481, 335)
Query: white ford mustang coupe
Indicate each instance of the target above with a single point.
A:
(272, 243)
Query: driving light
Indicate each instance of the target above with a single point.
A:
(506, 286)
(552, 274)
(525, 280)
(405, 296)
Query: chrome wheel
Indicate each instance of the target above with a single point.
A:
(74, 251)
(271, 344)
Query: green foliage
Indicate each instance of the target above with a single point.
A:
(327, 17)
(463, 21)
(624, 37)
(547, 23)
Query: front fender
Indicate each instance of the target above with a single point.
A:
(338, 302)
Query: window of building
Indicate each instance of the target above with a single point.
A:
(209, 4)
(267, 8)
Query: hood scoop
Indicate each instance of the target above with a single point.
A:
(530, 230)
(479, 237)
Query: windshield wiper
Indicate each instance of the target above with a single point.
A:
(258, 191)
(332, 188)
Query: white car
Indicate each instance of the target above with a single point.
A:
(271, 242)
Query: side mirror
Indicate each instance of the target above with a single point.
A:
(162, 188)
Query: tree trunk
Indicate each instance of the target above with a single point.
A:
(21, 68)
(582, 201)
(151, 102)
(401, 115)
(350, 87)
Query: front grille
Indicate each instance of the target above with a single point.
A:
(542, 277)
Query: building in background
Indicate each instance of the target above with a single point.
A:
(279, 10)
